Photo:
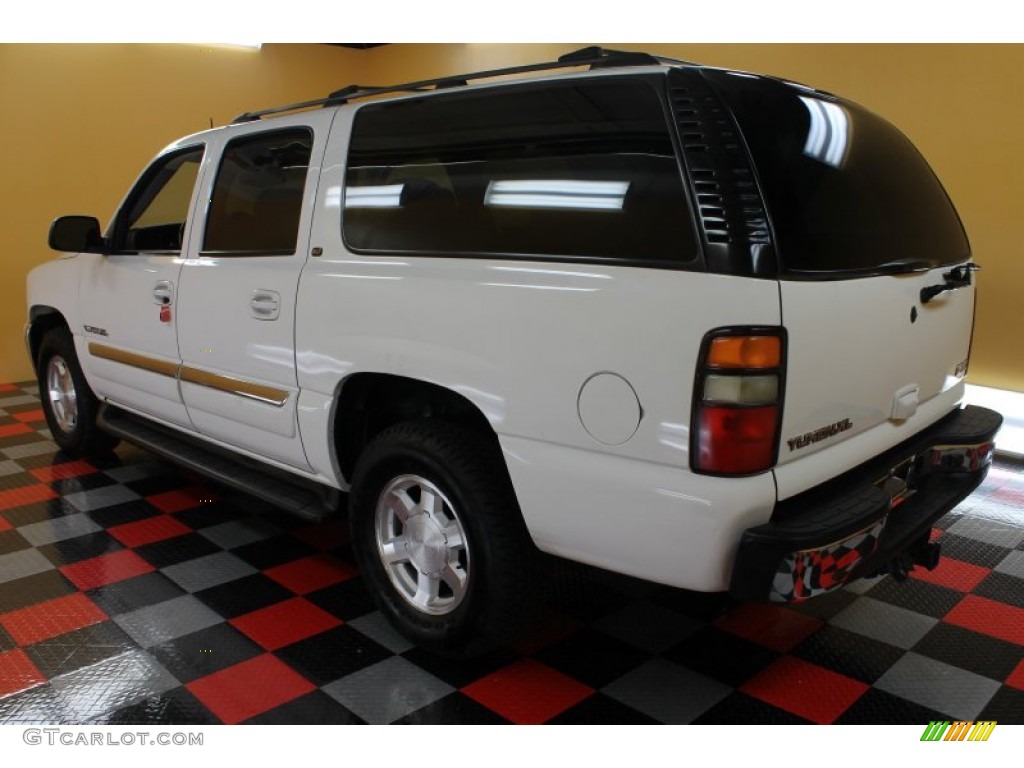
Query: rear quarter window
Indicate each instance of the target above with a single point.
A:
(581, 169)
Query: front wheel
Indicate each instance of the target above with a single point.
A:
(69, 405)
(440, 539)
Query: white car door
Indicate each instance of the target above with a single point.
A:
(236, 303)
(128, 297)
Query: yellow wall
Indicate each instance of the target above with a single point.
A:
(81, 121)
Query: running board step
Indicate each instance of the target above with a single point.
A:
(308, 501)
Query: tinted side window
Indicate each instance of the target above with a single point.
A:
(154, 219)
(257, 198)
(846, 190)
(577, 169)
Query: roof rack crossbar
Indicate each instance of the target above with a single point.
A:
(594, 57)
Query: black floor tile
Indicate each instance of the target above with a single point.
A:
(176, 707)
(459, 673)
(81, 483)
(12, 541)
(877, 707)
(314, 708)
(592, 657)
(453, 709)
(331, 655)
(1006, 707)
(721, 656)
(740, 709)
(30, 590)
(208, 515)
(132, 594)
(176, 550)
(1002, 587)
(348, 600)
(825, 606)
(598, 709)
(968, 650)
(972, 550)
(698, 605)
(6, 643)
(119, 514)
(80, 648)
(38, 512)
(918, 596)
(244, 595)
(276, 550)
(151, 486)
(848, 653)
(80, 548)
(204, 652)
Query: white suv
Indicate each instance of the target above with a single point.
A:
(702, 327)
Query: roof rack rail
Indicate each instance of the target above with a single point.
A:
(594, 57)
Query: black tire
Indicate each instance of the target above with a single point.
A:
(499, 561)
(79, 434)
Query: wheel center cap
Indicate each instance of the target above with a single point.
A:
(426, 544)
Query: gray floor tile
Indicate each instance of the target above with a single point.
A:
(648, 626)
(35, 448)
(113, 684)
(237, 533)
(167, 620)
(942, 687)
(3, 412)
(24, 562)
(58, 529)
(9, 467)
(988, 531)
(41, 705)
(885, 622)
(1012, 564)
(388, 690)
(6, 402)
(98, 498)
(667, 692)
(377, 628)
(209, 571)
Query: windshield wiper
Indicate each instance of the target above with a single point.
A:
(958, 277)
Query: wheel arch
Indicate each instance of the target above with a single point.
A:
(367, 403)
(42, 318)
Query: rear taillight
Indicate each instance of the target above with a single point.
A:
(737, 401)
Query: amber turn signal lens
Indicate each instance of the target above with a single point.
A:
(745, 352)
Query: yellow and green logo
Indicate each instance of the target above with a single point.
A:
(960, 730)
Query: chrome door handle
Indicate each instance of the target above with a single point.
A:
(265, 305)
(163, 292)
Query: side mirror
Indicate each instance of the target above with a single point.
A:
(76, 234)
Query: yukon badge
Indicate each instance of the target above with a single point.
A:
(819, 434)
(94, 329)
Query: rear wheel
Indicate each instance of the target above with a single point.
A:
(69, 404)
(440, 539)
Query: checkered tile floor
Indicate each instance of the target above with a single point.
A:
(131, 592)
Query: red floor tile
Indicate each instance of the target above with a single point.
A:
(989, 617)
(285, 623)
(7, 387)
(149, 530)
(106, 569)
(51, 618)
(955, 574)
(183, 498)
(4, 525)
(769, 625)
(250, 688)
(17, 672)
(63, 471)
(1016, 678)
(527, 692)
(27, 416)
(15, 429)
(805, 689)
(311, 573)
(27, 494)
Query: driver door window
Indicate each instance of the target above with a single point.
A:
(154, 219)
